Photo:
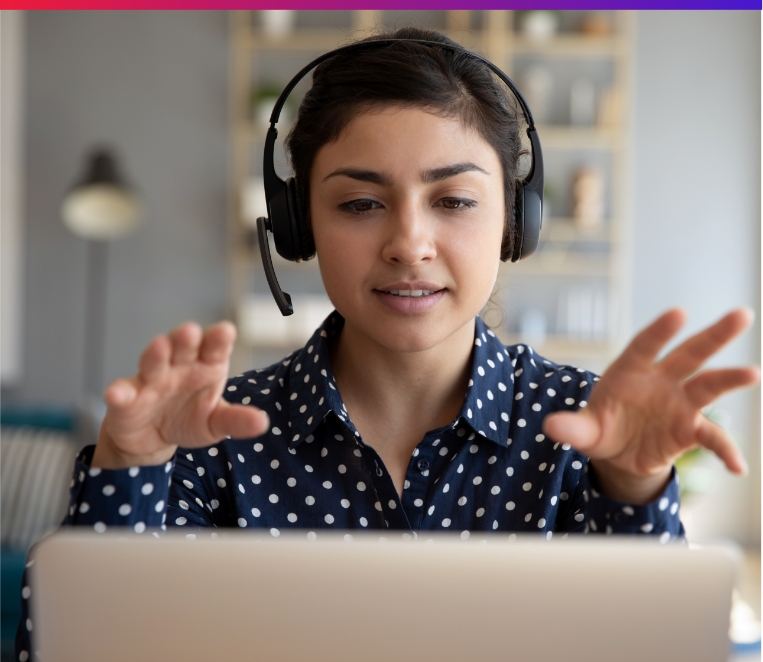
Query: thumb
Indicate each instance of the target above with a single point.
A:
(237, 421)
(579, 429)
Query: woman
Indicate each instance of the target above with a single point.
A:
(404, 411)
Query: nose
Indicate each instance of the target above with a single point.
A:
(410, 236)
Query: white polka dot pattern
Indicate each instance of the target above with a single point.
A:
(494, 464)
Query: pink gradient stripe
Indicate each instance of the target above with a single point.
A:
(388, 4)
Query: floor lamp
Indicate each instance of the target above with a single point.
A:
(100, 208)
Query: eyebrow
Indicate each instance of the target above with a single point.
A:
(427, 177)
(362, 175)
(438, 174)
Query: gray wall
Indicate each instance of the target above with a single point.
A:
(696, 210)
(154, 85)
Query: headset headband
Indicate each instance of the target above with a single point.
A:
(533, 179)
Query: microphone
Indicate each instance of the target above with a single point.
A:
(282, 298)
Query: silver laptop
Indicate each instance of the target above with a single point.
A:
(245, 596)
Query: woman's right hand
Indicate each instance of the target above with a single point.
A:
(174, 399)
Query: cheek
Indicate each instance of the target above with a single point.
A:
(343, 259)
(475, 267)
(475, 251)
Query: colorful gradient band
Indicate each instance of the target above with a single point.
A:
(388, 4)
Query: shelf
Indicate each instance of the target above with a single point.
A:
(561, 346)
(574, 45)
(558, 263)
(558, 229)
(573, 137)
(318, 40)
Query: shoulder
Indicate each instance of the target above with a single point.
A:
(559, 385)
(264, 388)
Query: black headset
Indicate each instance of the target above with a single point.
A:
(288, 223)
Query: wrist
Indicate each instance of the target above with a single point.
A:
(622, 486)
(108, 456)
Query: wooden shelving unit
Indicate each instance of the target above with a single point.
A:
(568, 254)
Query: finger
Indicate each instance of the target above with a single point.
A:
(237, 421)
(649, 341)
(155, 359)
(578, 429)
(704, 388)
(689, 356)
(120, 393)
(217, 343)
(716, 439)
(185, 343)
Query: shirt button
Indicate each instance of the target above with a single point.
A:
(423, 464)
(620, 518)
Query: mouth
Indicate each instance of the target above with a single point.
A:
(409, 293)
(412, 298)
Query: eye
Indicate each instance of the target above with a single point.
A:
(456, 203)
(360, 206)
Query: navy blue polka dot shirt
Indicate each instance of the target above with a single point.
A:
(491, 469)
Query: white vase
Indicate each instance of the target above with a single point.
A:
(278, 22)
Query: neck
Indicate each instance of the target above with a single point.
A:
(422, 390)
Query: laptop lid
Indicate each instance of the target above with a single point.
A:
(244, 595)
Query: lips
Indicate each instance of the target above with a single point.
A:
(410, 297)
(411, 293)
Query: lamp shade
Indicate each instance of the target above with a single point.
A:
(101, 207)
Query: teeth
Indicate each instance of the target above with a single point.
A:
(411, 293)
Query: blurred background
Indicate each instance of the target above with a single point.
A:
(131, 179)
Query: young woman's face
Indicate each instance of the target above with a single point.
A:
(408, 212)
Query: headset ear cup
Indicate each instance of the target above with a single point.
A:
(532, 220)
(302, 237)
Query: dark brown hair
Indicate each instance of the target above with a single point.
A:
(443, 81)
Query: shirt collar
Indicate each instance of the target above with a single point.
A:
(313, 392)
(490, 393)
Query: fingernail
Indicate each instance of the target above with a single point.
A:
(265, 420)
(744, 465)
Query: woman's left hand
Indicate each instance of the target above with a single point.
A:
(642, 415)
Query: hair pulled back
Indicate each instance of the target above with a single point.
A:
(443, 81)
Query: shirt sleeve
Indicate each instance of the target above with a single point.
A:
(593, 513)
(195, 498)
(135, 497)
(23, 641)
(147, 497)
(658, 517)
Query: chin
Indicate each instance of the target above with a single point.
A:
(404, 333)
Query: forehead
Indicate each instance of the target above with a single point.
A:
(400, 138)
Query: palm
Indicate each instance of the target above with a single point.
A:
(643, 414)
(174, 399)
(646, 419)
